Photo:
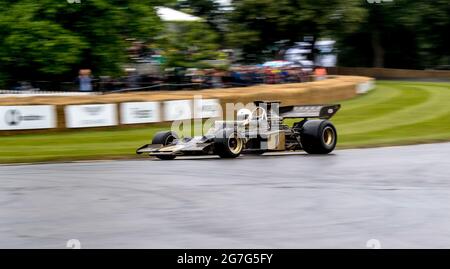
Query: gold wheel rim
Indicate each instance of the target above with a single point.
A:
(169, 140)
(235, 144)
(328, 136)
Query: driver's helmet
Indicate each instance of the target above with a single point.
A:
(244, 114)
(259, 113)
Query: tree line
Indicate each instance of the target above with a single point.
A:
(52, 40)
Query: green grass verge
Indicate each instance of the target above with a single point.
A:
(395, 113)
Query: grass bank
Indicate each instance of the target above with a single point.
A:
(395, 113)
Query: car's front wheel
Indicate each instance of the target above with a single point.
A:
(165, 138)
(229, 146)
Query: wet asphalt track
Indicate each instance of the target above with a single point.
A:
(399, 196)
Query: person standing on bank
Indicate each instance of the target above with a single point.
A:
(85, 80)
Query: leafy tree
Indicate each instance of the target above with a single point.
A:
(400, 34)
(189, 44)
(207, 9)
(212, 11)
(257, 24)
(50, 39)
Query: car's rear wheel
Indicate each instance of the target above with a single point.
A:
(165, 138)
(229, 146)
(318, 137)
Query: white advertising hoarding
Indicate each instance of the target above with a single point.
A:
(27, 117)
(207, 108)
(139, 112)
(84, 116)
(177, 110)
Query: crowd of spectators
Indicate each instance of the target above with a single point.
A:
(178, 79)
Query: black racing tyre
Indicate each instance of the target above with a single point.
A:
(318, 137)
(165, 138)
(230, 145)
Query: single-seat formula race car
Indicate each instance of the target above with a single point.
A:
(255, 132)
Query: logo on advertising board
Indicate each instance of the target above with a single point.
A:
(13, 117)
(93, 110)
(27, 117)
(207, 108)
(85, 116)
(177, 110)
(139, 112)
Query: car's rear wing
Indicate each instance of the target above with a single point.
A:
(309, 111)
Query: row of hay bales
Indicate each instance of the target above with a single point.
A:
(333, 89)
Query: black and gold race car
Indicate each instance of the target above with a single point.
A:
(255, 132)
